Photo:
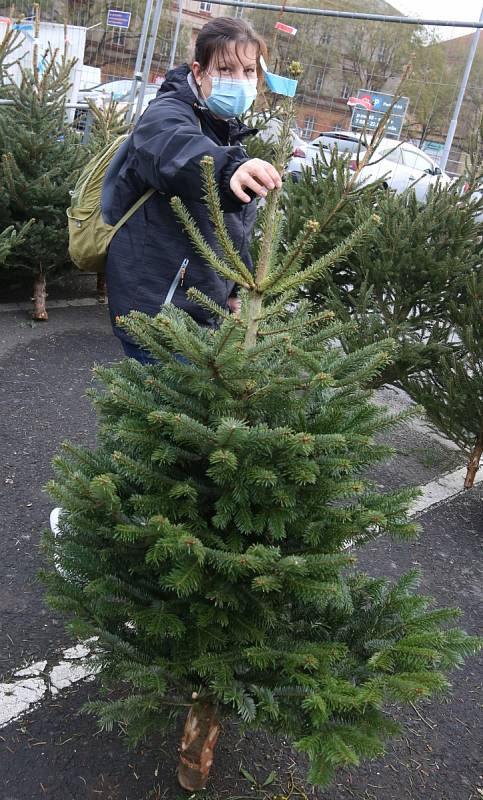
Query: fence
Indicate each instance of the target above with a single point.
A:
(341, 58)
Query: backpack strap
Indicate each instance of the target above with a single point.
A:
(133, 209)
(144, 197)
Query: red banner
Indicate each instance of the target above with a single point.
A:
(280, 26)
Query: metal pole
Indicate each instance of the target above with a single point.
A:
(172, 55)
(461, 96)
(88, 127)
(149, 57)
(324, 12)
(139, 60)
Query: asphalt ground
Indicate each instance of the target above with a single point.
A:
(55, 753)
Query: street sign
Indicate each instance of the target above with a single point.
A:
(365, 116)
(118, 19)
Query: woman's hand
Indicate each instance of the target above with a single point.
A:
(258, 176)
(234, 304)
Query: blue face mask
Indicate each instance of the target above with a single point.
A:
(231, 97)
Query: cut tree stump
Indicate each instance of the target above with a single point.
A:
(473, 465)
(39, 297)
(197, 746)
(101, 288)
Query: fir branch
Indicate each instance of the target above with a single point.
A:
(206, 302)
(296, 252)
(216, 214)
(201, 245)
(322, 264)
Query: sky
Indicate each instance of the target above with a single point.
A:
(443, 9)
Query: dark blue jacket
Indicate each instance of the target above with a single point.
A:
(164, 151)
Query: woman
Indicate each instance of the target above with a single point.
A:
(193, 115)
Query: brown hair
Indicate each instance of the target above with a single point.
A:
(213, 40)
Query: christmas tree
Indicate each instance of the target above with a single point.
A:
(202, 542)
(402, 279)
(108, 122)
(452, 390)
(40, 155)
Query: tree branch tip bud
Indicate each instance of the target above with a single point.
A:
(295, 69)
(312, 225)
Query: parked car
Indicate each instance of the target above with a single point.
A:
(270, 132)
(401, 164)
(119, 91)
(477, 199)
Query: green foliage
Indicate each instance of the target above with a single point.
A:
(9, 47)
(40, 155)
(10, 238)
(108, 123)
(202, 542)
(428, 111)
(328, 194)
(402, 278)
(452, 390)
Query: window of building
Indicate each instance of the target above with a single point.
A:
(308, 129)
(205, 7)
(118, 38)
(319, 82)
(345, 92)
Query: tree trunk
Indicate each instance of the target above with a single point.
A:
(197, 745)
(101, 288)
(474, 464)
(40, 294)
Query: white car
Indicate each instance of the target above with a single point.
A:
(400, 164)
(119, 90)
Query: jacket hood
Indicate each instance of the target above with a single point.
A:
(176, 84)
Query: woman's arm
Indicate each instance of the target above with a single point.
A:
(169, 146)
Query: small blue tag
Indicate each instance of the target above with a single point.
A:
(276, 83)
(280, 85)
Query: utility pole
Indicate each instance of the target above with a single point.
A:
(139, 60)
(461, 96)
(174, 45)
(149, 57)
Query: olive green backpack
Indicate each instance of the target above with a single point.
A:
(89, 234)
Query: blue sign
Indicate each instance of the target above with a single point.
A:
(119, 19)
(381, 103)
